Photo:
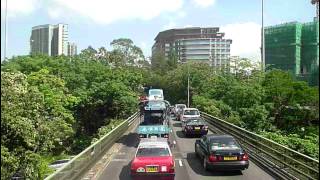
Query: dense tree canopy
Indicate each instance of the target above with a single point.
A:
(56, 105)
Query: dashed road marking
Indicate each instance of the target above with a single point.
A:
(180, 162)
(120, 160)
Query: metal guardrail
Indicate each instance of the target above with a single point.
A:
(80, 164)
(280, 161)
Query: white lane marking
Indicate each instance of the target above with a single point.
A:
(120, 160)
(180, 162)
(174, 142)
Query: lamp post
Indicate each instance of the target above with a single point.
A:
(262, 38)
(5, 31)
(188, 88)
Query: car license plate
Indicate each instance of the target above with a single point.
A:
(152, 169)
(197, 128)
(230, 158)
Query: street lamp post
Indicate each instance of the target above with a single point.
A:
(262, 38)
(5, 31)
(188, 88)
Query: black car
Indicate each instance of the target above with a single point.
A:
(194, 126)
(221, 152)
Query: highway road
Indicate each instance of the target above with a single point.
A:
(188, 166)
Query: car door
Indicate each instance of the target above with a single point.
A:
(203, 146)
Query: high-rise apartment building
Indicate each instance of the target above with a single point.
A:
(49, 39)
(234, 63)
(294, 47)
(194, 44)
(72, 49)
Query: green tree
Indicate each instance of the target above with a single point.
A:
(132, 53)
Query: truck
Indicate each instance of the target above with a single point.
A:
(155, 94)
(155, 119)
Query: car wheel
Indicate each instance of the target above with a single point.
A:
(205, 164)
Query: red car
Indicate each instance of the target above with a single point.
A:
(153, 159)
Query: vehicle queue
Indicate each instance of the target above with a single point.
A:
(153, 156)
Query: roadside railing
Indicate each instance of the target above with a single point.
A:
(81, 163)
(280, 161)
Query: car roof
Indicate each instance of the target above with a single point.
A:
(218, 136)
(180, 105)
(145, 142)
(185, 109)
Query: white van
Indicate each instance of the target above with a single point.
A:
(155, 94)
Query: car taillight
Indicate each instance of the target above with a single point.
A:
(245, 157)
(213, 158)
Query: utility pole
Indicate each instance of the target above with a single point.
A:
(262, 40)
(188, 86)
(5, 31)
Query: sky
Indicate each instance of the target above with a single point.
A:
(98, 22)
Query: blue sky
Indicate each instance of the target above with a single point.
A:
(98, 22)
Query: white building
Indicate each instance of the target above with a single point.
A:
(49, 39)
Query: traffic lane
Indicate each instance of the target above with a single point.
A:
(181, 172)
(194, 166)
(119, 166)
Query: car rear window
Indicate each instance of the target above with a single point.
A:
(224, 144)
(181, 106)
(191, 112)
(155, 151)
(195, 122)
(151, 104)
(155, 93)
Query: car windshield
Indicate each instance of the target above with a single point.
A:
(191, 112)
(154, 151)
(153, 93)
(224, 144)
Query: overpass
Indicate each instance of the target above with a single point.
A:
(109, 158)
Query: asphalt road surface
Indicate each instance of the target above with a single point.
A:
(188, 166)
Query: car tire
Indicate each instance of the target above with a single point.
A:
(205, 164)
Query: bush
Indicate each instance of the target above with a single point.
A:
(308, 145)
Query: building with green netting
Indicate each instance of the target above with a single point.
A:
(294, 47)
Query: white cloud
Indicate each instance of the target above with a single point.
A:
(108, 11)
(171, 25)
(19, 7)
(54, 13)
(246, 39)
(204, 3)
(143, 46)
(181, 14)
(188, 25)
